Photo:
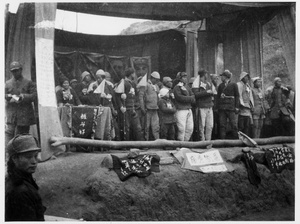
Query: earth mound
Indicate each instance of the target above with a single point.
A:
(76, 185)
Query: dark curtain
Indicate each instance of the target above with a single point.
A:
(286, 23)
(167, 49)
(20, 39)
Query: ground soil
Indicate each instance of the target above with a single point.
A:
(75, 185)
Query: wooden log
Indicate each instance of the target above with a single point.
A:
(160, 143)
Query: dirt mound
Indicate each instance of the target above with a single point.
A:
(76, 186)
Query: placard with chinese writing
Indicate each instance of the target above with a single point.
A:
(83, 120)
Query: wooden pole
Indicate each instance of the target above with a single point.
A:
(160, 143)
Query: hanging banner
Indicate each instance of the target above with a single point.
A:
(44, 66)
(44, 49)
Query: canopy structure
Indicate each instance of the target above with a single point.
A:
(171, 10)
(234, 29)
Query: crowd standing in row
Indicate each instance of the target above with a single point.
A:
(198, 109)
(149, 109)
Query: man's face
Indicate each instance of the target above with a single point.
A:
(258, 84)
(108, 77)
(215, 80)
(118, 67)
(65, 84)
(223, 78)
(73, 85)
(141, 70)
(17, 73)
(154, 80)
(87, 78)
(246, 79)
(278, 83)
(27, 161)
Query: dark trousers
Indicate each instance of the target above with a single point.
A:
(233, 122)
(167, 131)
(131, 126)
(244, 124)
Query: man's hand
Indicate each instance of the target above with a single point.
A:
(236, 110)
(123, 109)
(209, 91)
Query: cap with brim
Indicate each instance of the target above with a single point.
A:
(155, 75)
(15, 66)
(21, 144)
(73, 80)
(256, 79)
(277, 79)
(166, 79)
(163, 92)
(84, 74)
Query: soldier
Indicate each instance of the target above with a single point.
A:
(20, 93)
(22, 199)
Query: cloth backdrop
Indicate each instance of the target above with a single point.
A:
(167, 49)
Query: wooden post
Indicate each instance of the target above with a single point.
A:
(44, 54)
(160, 143)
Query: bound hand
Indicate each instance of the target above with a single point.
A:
(123, 109)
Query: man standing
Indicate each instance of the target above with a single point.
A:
(148, 96)
(129, 106)
(215, 83)
(22, 200)
(184, 98)
(20, 93)
(246, 104)
(228, 104)
(280, 110)
(204, 101)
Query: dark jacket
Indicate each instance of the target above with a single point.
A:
(96, 99)
(22, 200)
(21, 113)
(82, 97)
(132, 100)
(231, 99)
(184, 97)
(73, 101)
(203, 99)
(166, 114)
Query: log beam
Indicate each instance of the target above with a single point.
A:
(159, 143)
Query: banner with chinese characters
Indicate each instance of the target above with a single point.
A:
(207, 162)
(280, 158)
(44, 46)
(83, 122)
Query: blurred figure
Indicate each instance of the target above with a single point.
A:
(246, 104)
(167, 112)
(148, 96)
(204, 102)
(73, 83)
(82, 87)
(20, 93)
(228, 105)
(66, 95)
(215, 83)
(22, 199)
(184, 98)
(281, 116)
(128, 105)
(260, 107)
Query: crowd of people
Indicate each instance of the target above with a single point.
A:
(152, 107)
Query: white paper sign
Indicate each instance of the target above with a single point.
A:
(200, 159)
(213, 168)
(45, 72)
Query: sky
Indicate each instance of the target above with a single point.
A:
(81, 23)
